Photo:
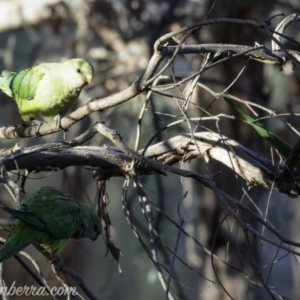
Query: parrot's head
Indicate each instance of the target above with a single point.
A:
(91, 225)
(80, 71)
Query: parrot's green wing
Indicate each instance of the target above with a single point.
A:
(28, 217)
(59, 212)
(282, 146)
(25, 83)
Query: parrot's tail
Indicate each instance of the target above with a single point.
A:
(3, 84)
(10, 249)
(5, 81)
(17, 241)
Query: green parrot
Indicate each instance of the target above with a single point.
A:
(47, 89)
(278, 143)
(49, 218)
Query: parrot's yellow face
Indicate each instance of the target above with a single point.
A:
(79, 71)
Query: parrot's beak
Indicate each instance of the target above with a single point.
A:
(94, 238)
(89, 78)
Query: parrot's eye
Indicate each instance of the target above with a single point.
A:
(95, 227)
(78, 71)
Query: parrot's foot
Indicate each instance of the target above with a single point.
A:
(57, 119)
(38, 125)
(58, 263)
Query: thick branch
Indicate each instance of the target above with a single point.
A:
(253, 168)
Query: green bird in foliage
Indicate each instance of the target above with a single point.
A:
(47, 89)
(49, 218)
(281, 145)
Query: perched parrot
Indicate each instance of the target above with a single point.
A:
(47, 89)
(278, 143)
(49, 218)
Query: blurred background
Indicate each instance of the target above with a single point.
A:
(117, 38)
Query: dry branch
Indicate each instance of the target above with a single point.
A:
(253, 168)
